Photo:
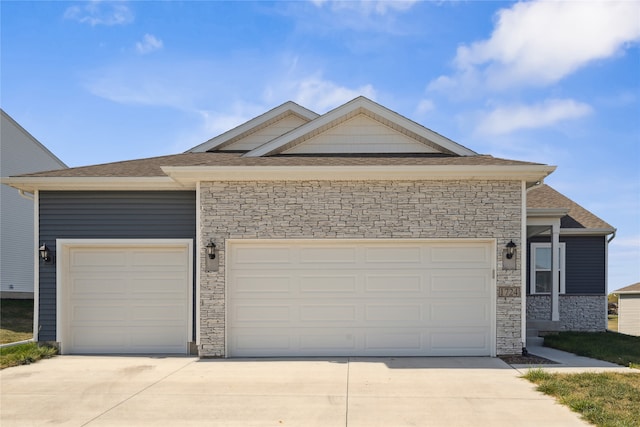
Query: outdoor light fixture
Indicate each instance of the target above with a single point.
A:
(511, 249)
(211, 249)
(44, 253)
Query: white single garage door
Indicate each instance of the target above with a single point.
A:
(125, 298)
(360, 298)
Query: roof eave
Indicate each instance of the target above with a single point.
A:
(192, 174)
(31, 184)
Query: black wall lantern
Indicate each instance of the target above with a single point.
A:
(45, 255)
(511, 249)
(211, 249)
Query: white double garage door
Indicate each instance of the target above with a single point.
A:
(293, 298)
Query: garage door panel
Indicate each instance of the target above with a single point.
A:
(87, 314)
(127, 299)
(95, 259)
(393, 283)
(265, 344)
(166, 260)
(80, 286)
(324, 255)
(394, 313)
(462, 341)
(468, 314)
(262, 255)
(338, 342)
(399, 341)
(403, 299)
(327, 283)
(328, 313)
(394, 254)
(477, 282)
(462, 255)
(262, 313)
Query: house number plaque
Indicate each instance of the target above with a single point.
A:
(512, 291)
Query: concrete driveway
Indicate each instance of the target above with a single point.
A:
(181, 391)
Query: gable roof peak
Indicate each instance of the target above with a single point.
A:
(360, 105)
(255, 124)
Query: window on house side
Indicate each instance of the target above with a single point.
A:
(541, 268)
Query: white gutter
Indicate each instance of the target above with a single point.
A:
(189, 175)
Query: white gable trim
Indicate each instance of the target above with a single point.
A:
(254, 124)
(351, 108)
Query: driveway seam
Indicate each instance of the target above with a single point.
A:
(346, 412)
(136, 393)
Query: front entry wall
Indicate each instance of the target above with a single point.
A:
(358, 210)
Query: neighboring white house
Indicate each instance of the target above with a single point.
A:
(20, 153)
(629, 309)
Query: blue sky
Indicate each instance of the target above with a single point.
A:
(552, 82)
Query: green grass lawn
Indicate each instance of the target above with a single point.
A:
(16, 324)
(610, 346)
(612, 324)
(610, 399)
(605, 399)
(24, 354)
(16, 320)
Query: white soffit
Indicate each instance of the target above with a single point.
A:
(360, 105)
(254, 125)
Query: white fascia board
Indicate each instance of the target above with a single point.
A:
(253, 123)
(32, 184)
(189, 175)
(582, 232)
(364, 103)
(546, 212)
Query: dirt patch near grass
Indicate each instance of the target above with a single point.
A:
(531, 359)
(16, 320)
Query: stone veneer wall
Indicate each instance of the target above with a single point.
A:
(356, 210)
(577, 312)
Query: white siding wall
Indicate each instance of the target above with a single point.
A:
(361, 134)
(268, 133)
(19, 153)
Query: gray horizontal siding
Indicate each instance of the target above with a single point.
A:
(585, 264)
(107, 215)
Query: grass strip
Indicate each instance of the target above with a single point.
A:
(610, 399)
(610, 346)
(24, 354)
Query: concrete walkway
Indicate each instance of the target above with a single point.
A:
(569, 363)
(182, 391)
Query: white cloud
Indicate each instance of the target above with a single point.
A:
(424, 106)
(507, 119)
(148, 44)
(321, 95)
(541, 42)
(100, 13)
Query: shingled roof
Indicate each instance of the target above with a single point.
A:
(545, 197)
(152, 167)
(631, 289)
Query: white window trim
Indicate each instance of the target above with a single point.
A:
(532, 274)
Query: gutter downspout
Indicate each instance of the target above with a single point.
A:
(25, 195)
(606, 277)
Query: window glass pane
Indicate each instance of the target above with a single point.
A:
(543, 281)
(543, 258)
